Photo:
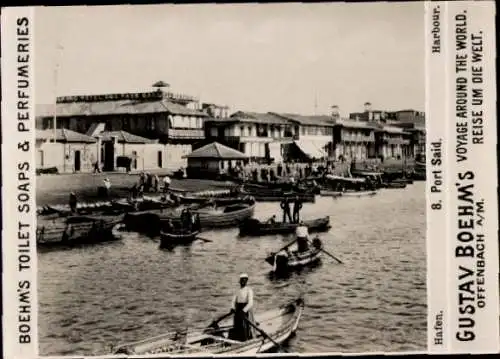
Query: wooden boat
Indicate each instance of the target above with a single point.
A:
(76, 230)
(219, 201)
(254, 227)
(285, 261)
(123, 205)
(169, 239)
(279, 324)
(213, 216)
(395, 184)
(330, 193)
(309, 198)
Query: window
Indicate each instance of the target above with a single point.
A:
(242, 130)
(249, 130)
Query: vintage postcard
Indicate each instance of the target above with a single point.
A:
(221, 179)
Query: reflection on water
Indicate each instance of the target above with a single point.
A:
(97, 296)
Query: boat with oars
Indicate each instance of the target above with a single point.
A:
(285, 260)
(254, 227)
(288, 260)
(271, 329)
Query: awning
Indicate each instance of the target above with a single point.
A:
(311, 148)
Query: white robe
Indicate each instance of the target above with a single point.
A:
(245, 295)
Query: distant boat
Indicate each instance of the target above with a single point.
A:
(329, 193)
(285, 261)
(254, 227)
(169, 239)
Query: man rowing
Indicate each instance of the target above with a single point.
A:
(242, 306)
(302, 233)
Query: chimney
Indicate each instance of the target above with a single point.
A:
(335, 112)
(368, 106)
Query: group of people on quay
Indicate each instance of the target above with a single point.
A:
(149, 183)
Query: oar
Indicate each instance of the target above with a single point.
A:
(216, 321)
(264, 334)
(288, 245)
(204, 239)
(331, 255)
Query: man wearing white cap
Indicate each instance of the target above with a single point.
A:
(242, 308)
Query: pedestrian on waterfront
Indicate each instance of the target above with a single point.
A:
(134, 190)
(166, 183)
(107, 187)
(73, 202)
(242, 306)
(96, 167)
(302, 233)
(157, 183)
(285, 206)
(297, 206)
(279, 169)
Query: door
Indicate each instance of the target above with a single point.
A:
(160, 159)
(109, 156)
(77, 161)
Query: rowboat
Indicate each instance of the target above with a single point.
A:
(213, 216)
(218, 200)
(329, 193)
(309, 198)
(169, 239)
(278, 325)
(76, 230)
(254, 227)
(285, 261)
(124, 205)
(395, 184)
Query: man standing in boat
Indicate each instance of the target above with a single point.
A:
(297, 206)
(285, 206)
(242, 306)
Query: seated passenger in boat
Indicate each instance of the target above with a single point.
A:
(271, 220)
(242, 306)
(187, 219)
(302, 233)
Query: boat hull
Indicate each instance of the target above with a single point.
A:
(77, 230)
(170, 239)
(254, 227)
(327, 193)
(279, 324)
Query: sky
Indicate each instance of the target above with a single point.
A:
(298, 58)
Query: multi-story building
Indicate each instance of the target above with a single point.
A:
(313, 135)
(260, 136)
(175, 120)
(400, 134)
(392, 142)
(413, 122)
(354, 139)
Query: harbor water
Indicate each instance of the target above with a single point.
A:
(94, 297)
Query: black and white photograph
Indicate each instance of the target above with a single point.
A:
(230, 179)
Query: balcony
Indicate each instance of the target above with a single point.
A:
(186, 134)
(262, 139)
(357, 137)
